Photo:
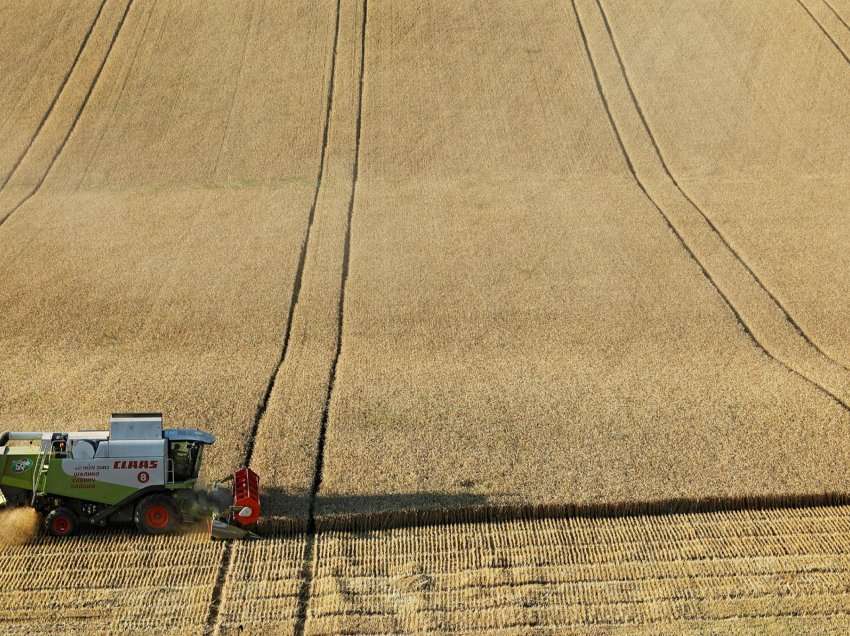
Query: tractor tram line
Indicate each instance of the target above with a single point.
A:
(739, 319)
(77, 116)
(309, 568)
(56, 96)
(665, 166)
(824, 30)
(211, 624)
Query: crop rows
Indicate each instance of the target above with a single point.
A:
(108, 583)
(744, 571)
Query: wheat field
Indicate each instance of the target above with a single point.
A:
(47, 36)
(750, 160)
(531, 314)
(172, 221)
(509, 325)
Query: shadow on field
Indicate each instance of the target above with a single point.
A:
(285, 511)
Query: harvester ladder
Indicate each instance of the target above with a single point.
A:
(39, 476)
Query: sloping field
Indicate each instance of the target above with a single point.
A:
(164, 242)
(521, 325)
(540, 267)
(758, 142)
(38, 48)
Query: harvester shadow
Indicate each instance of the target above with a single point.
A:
(286, 513)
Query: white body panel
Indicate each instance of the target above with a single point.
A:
(135, 428)
(139, 472)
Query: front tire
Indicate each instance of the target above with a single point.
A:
(61, 522)
(156, 514)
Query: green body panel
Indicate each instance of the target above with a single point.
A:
(64, 485)
(17, 464)
(126, 471)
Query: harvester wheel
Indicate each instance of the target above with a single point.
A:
(156, 514)
(61, 522)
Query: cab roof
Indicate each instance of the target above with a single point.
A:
(188, 435)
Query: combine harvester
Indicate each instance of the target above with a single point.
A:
(135, 472)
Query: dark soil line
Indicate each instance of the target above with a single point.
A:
(823, 29)
(76, 117)
(56, 95)
(310, 565)
(215, 599)
(224, 569)
(738, 318)
(302, 259)
(836, 14)
(307, 574)
(688, 198)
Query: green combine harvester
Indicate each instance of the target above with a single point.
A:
(135, 472)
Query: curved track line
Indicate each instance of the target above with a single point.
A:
(309, 559)
(738, 318)
(107, 125)
(836, 14)
(55, 96)
(76, 117)
(224, 570)
(825, 32)
(715, 228)
(233, 95)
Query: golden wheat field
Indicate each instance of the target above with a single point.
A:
(532, 315)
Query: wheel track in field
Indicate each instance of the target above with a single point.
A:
(743, 324)
(664, 164)
(107, 125)
(212, 622)
(56, 95)
(309, 569)
(836, 14)
(824, 29)
(77, 115)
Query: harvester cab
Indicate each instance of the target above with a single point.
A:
(134, 472)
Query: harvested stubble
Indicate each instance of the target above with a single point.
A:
(154, 267)
(108, 584)
(38, 45)
(521, 326)
(781, 571)
(263, 587)
(759, 140)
